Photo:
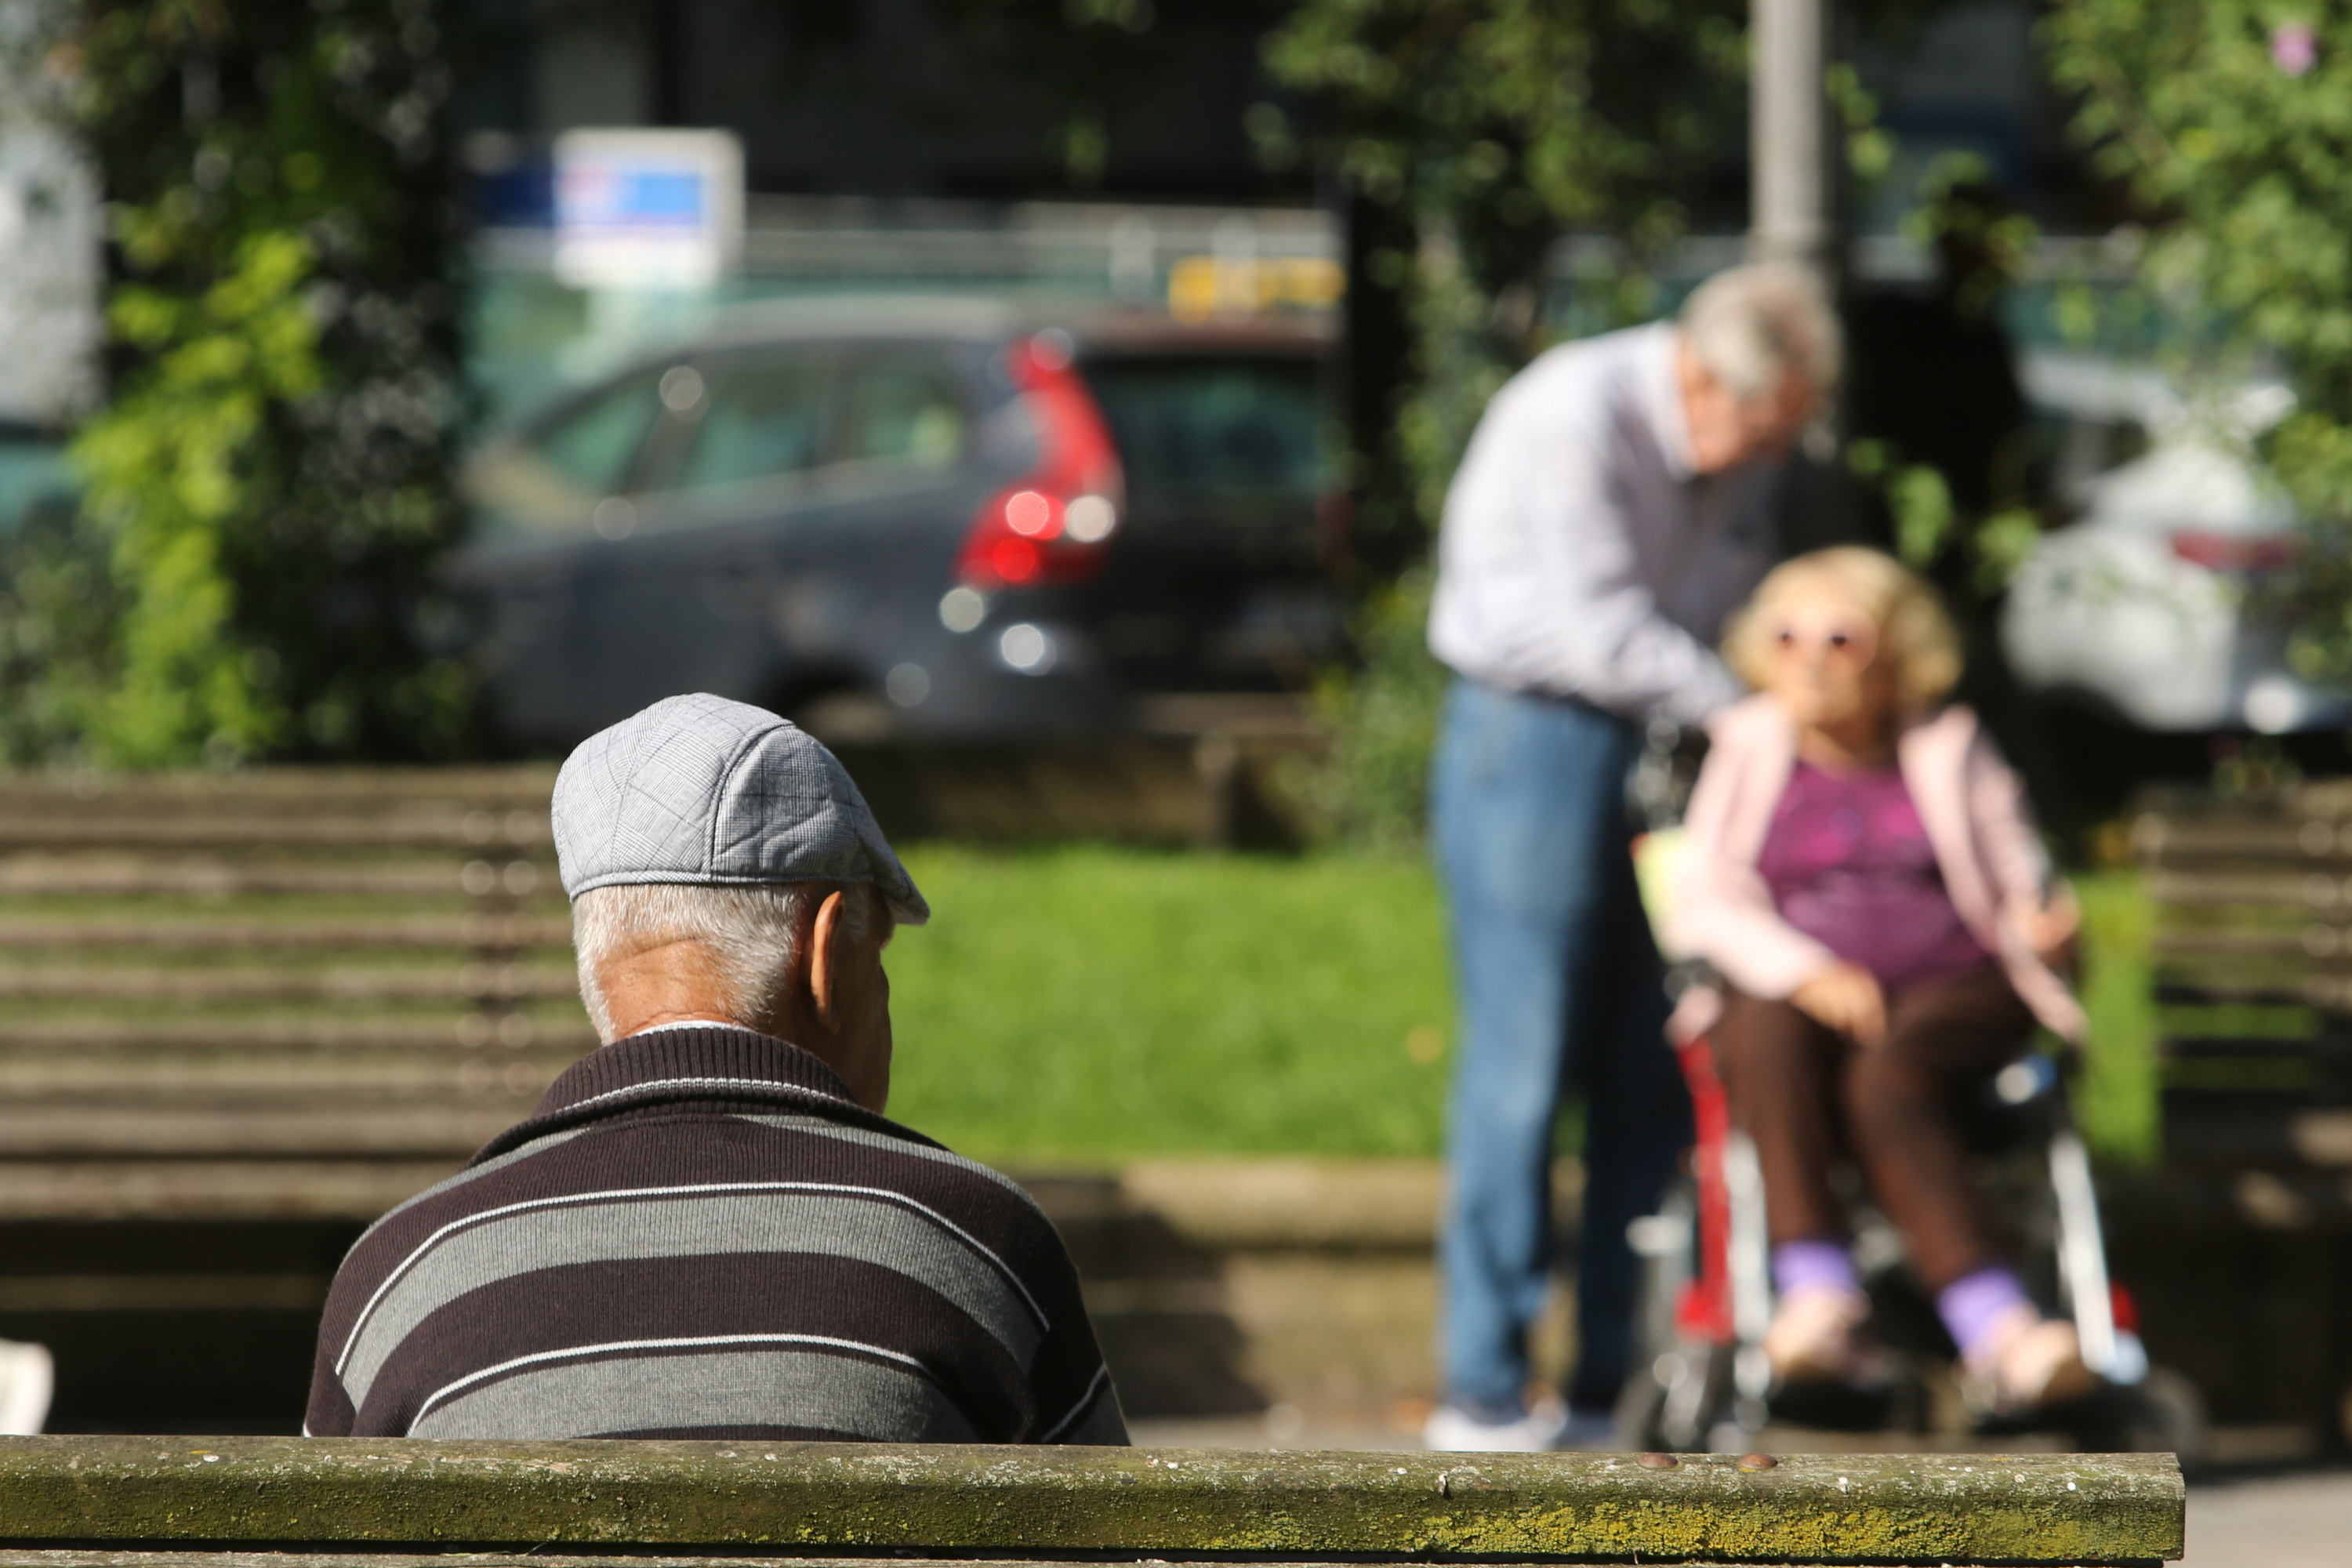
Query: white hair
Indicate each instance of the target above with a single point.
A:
(752, 936)
(1753, 326)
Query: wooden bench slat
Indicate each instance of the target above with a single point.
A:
(2252, 1046)
(118, 1187)
(288, 991)
(1048, 1502)
(349, 1129)
(2207, 838)
(2290, 945)
(527, 784)
(471, 1033)
(117, 878)
(128, 984)
(127, 1079)
(2294, 889)
(473, 931)
(440, 832)
(2241, 1130)
(2234, 995)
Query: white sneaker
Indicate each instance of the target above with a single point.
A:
(1452, 1430)
(27, 1377)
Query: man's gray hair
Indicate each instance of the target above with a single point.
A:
(752, 934)
(1752, 327)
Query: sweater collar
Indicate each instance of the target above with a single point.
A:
(700, 1066)
(711, 1059)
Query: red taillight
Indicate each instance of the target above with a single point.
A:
(2231, 552)
(2126, 1311)
(1054, 526)
(1016, 561)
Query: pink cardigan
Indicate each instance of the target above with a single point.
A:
(1970, 803)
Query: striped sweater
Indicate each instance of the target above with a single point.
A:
(701, 1235)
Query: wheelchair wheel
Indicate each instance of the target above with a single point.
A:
(1674, 1403)
(2161, 1414)
(1679, 1387)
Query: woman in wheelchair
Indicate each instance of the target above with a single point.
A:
(1862, 872)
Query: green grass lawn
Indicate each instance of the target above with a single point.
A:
(1086, 1003)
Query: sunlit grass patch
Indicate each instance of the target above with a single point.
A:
(1087, 1003)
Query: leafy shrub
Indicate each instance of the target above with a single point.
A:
(2228, 119)
(1373, 790)
(271, 479)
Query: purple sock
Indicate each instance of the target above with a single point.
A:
(1971, 1304)
(1813, 1265)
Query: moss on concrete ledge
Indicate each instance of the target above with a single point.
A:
(856, 1498)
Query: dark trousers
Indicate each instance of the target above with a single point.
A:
(1806, 1094)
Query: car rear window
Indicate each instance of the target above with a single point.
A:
(1222, 422)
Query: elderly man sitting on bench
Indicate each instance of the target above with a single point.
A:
(709, 1229)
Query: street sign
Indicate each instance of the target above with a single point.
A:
(648, 209)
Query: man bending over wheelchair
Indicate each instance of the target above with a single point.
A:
(1863, 872)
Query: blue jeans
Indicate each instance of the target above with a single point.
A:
(1559, 986)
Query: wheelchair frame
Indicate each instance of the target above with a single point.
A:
(1709, 1268)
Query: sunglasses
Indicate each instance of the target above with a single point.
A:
(1848, 642)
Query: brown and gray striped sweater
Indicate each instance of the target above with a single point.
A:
(701, 1235)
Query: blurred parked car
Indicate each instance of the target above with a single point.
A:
(2148, 607)
(899, 517)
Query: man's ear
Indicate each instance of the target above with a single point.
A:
(824, 951)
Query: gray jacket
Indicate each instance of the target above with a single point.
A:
(1580, 555)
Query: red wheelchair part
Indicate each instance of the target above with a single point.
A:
(1704, 1313)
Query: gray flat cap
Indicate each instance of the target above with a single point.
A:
(702, 791)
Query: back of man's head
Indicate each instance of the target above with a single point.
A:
(705, 836)
(744, 944)
(1752, 328)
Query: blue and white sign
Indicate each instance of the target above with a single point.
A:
(648, 209)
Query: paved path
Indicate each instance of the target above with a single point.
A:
(2301, 1520)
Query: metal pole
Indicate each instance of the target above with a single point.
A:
(1788, 42)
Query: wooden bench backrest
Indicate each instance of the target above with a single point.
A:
(299, 993)
(2252, 956)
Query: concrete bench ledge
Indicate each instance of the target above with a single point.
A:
(76, 1503)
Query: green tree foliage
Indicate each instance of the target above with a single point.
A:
(1370, 792)
(1083, 57)
(1983, 248)
(2232, 119)
(1468, 136)
(270, 482)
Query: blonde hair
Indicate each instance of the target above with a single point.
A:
(1915, 633)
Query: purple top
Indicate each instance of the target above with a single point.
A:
(1849, 865)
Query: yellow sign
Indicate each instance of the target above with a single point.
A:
(1201, 287)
